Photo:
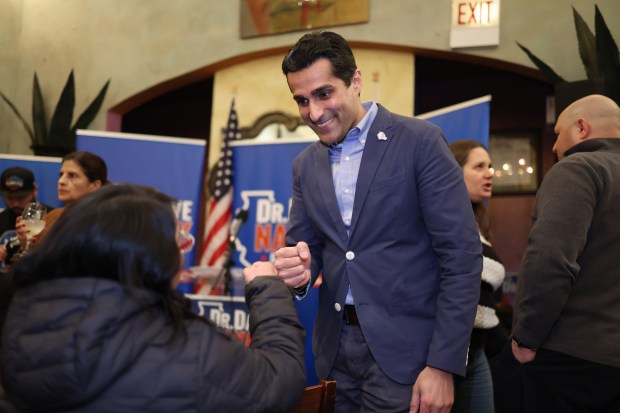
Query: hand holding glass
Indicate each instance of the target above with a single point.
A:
(34, 219)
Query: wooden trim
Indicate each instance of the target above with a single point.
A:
(208, 71)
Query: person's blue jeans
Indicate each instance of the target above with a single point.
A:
(474, 392)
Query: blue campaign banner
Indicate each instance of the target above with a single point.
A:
(45, 170)
(172, 165)
(467, 120)
(263, 186)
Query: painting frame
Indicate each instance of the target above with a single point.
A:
(269, 17)
(515, 157)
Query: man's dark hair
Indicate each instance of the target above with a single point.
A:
(316, 45)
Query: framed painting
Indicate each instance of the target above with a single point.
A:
(265, 17)
(516, 162)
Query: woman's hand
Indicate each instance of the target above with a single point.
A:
(259, 269)
(22, 233)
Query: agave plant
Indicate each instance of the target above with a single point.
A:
(60, 134)
(598, 52)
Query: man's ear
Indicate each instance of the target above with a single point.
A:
(356, 81)
(584, 128)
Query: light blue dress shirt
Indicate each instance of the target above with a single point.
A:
(345, 160)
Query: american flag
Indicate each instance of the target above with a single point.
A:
(219, 210)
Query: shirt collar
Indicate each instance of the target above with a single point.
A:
(360, 131)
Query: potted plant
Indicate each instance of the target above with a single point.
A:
(59, 138)
(601, 60)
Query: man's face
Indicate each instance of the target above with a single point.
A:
(18, 203)
(325, 103)
(568, 135)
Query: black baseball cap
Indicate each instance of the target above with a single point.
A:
(16, 181)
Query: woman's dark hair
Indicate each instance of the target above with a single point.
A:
(316, 45)
(125, 233)
(92, 165)
(461, 149)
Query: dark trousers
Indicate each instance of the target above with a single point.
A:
(361, 385)
(556, 382)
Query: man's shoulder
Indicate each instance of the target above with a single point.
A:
(308, 151)
(406, 125)
(398, 119)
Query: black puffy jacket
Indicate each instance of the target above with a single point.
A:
(85, 345)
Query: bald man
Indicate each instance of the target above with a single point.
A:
(565, 352)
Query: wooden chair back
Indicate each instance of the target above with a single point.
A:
(318, 399)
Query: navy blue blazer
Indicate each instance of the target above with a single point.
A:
(413, 256)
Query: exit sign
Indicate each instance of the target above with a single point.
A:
(474, 23)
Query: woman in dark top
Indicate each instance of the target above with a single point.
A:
(474, 392)
(95, 324)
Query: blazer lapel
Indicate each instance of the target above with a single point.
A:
(374, 149)
(323, 172)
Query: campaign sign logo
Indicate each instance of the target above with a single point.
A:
(229, 313)
(265, 230)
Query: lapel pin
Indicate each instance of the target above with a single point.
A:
(381, 136)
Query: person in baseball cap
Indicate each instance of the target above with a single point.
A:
(18, 189)
(17, 181)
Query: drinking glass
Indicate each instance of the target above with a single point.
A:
(34, 219)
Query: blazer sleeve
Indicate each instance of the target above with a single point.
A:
(454, 236)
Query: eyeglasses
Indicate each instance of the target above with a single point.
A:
(185, 241)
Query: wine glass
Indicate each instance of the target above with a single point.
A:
(34, 219)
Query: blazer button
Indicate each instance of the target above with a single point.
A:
(350, 255)
(337, 307)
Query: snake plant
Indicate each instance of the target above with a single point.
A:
(598, 52)
(61, 133)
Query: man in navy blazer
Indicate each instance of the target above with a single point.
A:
(381, 211)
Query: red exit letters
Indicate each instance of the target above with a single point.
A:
(475, 13)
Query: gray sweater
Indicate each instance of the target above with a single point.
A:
(568, 294)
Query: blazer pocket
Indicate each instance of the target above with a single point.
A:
(387, 182)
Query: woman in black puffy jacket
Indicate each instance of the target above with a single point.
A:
(95, 325)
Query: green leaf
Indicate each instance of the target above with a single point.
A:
(608, 55)
(587, 46)
(39, 117)
(60, 128)
(19, 116)
(91, 111)
(547, 71)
